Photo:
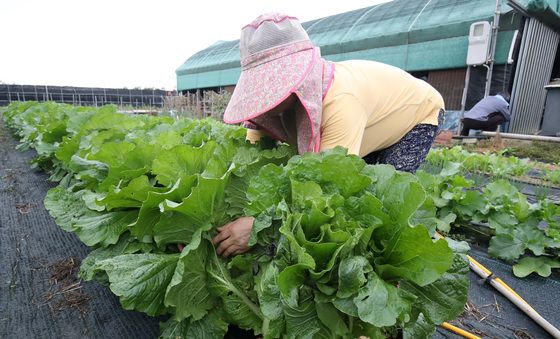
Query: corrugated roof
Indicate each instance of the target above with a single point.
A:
(412, 35)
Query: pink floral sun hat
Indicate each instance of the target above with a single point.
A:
(277, 60)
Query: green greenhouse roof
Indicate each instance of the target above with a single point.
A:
(412, 35)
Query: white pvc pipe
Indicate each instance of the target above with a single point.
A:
(511, 295)
(522, 136)
(525, 307)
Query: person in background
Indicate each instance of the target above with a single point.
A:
(487, 114)
(287, 91)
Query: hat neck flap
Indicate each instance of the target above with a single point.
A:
(310, 92)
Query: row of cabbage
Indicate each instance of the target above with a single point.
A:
(339, 248)
(132, 187)
(495, 164)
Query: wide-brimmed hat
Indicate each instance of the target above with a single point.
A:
(276, 55)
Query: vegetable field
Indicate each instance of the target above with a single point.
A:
(339, 248)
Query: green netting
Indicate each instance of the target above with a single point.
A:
(413, 35)
(208, 79)
(427, 55)
(547, 11)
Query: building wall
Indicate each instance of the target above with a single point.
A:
(534, 70)
(229, 88)
(450, 84)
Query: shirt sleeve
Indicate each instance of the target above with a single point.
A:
(505, 111)
(344, 122)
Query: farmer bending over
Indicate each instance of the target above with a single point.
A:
(487, 114)
(288, 92)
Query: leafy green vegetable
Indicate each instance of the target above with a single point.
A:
(541, 265)
(92, 227)
(140, 280)
(339, 248)
(518, 227)
(209, 327)
(348, 248)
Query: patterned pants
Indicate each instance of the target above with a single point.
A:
(409, 152)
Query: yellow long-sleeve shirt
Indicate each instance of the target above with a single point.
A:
(371, 106)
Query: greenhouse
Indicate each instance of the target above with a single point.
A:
(428, 39)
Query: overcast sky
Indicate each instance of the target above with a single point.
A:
(126, 43)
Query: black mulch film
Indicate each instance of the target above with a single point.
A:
(491, 315)
(41, 297)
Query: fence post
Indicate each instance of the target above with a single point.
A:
(198, 107)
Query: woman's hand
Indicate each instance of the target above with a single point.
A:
(233, 238)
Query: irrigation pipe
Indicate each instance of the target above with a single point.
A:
(511, 295)
(459, 331)
(521, 136)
